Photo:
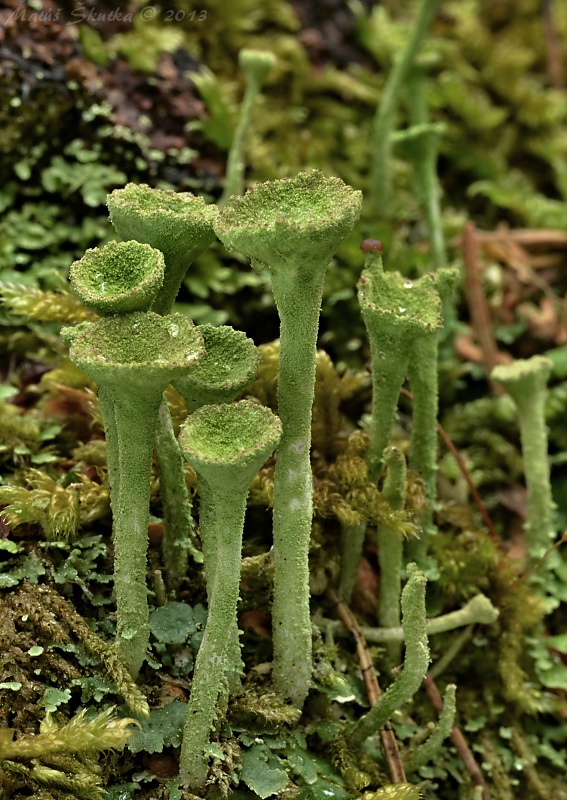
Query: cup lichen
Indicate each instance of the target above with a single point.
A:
(526, 382)
(292, 227)
(118, 278)
(396, 311)
(229, 365)
(226, 445)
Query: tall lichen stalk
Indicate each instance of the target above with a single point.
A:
(226, 445)
(397, 313)
(293, 227)
(180, 225)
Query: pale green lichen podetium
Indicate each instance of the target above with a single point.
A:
(293, 227)
(396, 312)
(177, 223)
(526, 382)
(226, 445)
(256, 65)
(416, 660)
(230, 364)
(423, 374)
(390, 550)
(132, 359)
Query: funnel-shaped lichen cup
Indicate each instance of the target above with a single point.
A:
(118, 278)
(229, 365)
(396, 311)
(293, 227)
(177, 223)
(132, 359)
(226, 445)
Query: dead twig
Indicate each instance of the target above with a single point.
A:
(478, 305)
(555, 70)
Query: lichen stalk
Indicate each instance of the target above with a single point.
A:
(526, 382)
(426, 751)
(133, 358)
(293, 489)
(427, 142)
(293, 227)
(384, 119)
(256, 65)
(352, 546)
(226, 445)
(390, 551)
(416, 660)
(178, 528)
(180, 225)
(225, 515)
(134, 445)
(397, 312)
(423, 376)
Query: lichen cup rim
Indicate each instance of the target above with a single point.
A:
(109, 347)
(141, 199)
(272, 218)
(522, 369)
(135, 272)
(209, 435)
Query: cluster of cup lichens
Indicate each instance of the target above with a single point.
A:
(291, 227)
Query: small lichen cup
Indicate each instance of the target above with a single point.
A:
(230, 364)
(132, 358)
(226, 445)
(177, 223)
(292, 227)
(118, 278)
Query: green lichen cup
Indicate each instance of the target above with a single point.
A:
(294, 221)
(396, 312)
(119, 278)
(177, 223)
(229, 365)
